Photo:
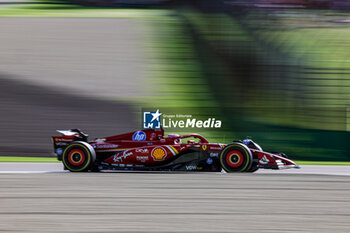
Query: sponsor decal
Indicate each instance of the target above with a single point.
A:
(104, 146)
(191, 167)
(264, 160)
(139, 136)
(61, 143)
(120, 158)
(159, 153)
(125, 165)
(63, 139)
(151, 120)
(214, 154)
(143, 151)
(116, 158)
(209, 161)
(204, 147)
(142, 158)
(215, 148)
(127, 154)
(59, 151)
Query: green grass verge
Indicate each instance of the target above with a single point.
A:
(10, 159)
(340, 163)
(72, 11)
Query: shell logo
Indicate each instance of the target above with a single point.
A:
(159, 153)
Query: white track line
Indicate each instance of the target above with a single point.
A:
(44, 168)
(30, 172)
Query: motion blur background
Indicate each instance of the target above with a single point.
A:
(276, 70)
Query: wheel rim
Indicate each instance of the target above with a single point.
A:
(234, 158)
(76, 157)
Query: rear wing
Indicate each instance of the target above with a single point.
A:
(67, 136)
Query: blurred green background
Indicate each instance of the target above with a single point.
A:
(278, 71)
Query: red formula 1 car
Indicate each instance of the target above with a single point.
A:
(150, 150)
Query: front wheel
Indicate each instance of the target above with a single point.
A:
(78, 157)
(236, 157)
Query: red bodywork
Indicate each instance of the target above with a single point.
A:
(150, 148)
(157, 149)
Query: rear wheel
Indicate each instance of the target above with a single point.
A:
(78, 157)
(236, 157)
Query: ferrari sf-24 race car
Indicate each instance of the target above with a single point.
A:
(149, 150)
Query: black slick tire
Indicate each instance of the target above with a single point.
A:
(79, 157)
(236, 157)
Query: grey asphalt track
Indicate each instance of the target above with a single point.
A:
(58, 167)
(177, 202)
